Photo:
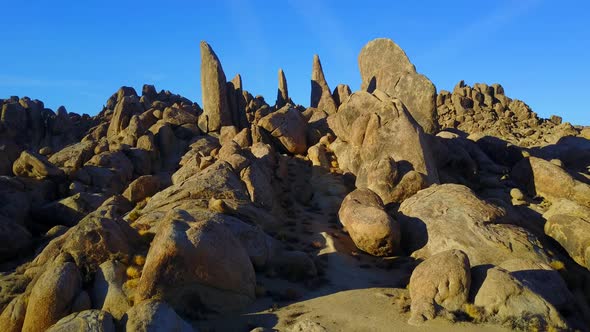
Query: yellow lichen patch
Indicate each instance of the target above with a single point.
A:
(143, 232)
(131, 283)
(133, 215)
(139, 260)
(133, 272)
(557, 265)
(474, 312)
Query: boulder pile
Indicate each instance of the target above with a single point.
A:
(159, 214)
(485, 110)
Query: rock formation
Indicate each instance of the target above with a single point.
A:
(441, 282)
(370, 227)
(282, 91)
(289, 126)
(157, 214)
(485, 110)
(385, 66)
(379, 142)
(216, 111)
(321, 96)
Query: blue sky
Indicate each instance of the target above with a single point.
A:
(77, 53)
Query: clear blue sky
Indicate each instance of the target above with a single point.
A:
(77, 53)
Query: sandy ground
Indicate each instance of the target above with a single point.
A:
(371, 309)
(359, 292)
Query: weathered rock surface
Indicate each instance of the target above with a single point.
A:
(85, 321)
(385, 66)
(451, 216)
(52, 296)
(379, 142)
(217, 182)
(541, 177)
(341, 93)
(485, 110)
(569, 224)
(70, 210)
(542, 279)
(27, 124)
(94, 240)
(74, 156)
(508, 301)
(239, 100)
(321, 95)
(154, 316)
(282, 91)
(126, 107)
(442, 281)
(307, 326)
(363, 215)
(216, 111)
(289, 126)
(13, 315)
(212, 270)
(107, 290)
(141, 188)
(33, 165)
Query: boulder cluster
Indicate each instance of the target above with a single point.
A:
(158, 213)
(485, 110)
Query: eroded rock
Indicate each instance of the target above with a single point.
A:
(370, 227)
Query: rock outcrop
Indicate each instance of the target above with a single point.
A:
(569, 224)
(107, 289)
(282, 92)
(363, 215)
(153, 316)
(156, 214)
(379, 142)
(321, 95)
(509, 302)
(485, 110)
(541, 177)
(441, 282)
(211, 271)
(385, 66)
(89, 320)
(289, 126)
(33, 165)
(341, 93)
(451, 216)
(52, 296)
(216, 111)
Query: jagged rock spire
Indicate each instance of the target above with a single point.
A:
(341, 93)
(236, 101)
(237, 82)
(283, 90)
(321, 96)
(216, 111)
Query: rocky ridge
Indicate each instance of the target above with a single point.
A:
(485, 110)
(160, 214)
